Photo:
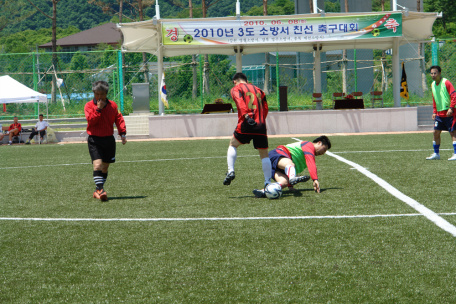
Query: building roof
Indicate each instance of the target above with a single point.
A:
(105, 33)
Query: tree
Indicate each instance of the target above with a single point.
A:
(13, 12)
(133, 7)
(54, 41)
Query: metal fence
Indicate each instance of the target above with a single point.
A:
(193, 81)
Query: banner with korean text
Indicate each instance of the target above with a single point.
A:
(282, 30)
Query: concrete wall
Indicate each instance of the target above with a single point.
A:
(285, 123)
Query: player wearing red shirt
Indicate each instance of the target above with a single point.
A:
(296, 157)
(101, 114)
(252, 111)
(13, 130)
(444, 101)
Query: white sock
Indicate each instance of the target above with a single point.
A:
(267, 169)
(290, 171)
(231, 158)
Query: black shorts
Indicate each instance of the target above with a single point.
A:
(103, 148)
(259, 141)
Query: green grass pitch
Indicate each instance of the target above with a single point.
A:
(211, 243)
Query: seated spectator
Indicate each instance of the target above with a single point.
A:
(13, 130)
(40, 127)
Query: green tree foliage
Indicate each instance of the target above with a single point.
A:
(26, 41)
(279, 7)
(332, 6)
(446, 26)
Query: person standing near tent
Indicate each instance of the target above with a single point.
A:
(40, 128)
(101, 114)
(444, 101)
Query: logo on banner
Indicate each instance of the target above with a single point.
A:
(173, 34)
(392, 24)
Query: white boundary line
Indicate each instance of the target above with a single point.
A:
(428, 213)
(209, 218)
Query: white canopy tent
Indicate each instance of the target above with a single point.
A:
(12, 91)
(147, 36)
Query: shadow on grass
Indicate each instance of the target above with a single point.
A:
(296, 193)
(125, 197)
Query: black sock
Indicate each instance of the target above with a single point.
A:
(98, 179)
(105, 177)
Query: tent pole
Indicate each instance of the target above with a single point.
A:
(396, 73)
(238, 59)
(161, 106)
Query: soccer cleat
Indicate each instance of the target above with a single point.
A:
(27, 142)
(452, 157)
(433, 156)
(10, 143)
(103, 195)
(229, 177)
(299, 179)
(259, 193)
(96, 194)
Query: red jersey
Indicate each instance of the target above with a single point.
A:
(101, 122)
(452, 94)
(14, 126)
(250, 100)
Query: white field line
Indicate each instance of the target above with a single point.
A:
(428, 213)
(210, 218)
(198, 158)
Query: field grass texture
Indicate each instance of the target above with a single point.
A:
(172, 233)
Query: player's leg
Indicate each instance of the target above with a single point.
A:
(288, 167)
(273, 158)
(452, 130)
(265, 165)
(260, 142)
(436, 143)
(34, 132)
(11, 134)
(231, 160)
(108, 145)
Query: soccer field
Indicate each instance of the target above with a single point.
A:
(381, 231)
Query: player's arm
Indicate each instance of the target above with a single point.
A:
(121, 128)
(265, 104)
(309, 153)
(92, 114)
(452, 93)
(19, 127)
(241, 103)
(434, 108)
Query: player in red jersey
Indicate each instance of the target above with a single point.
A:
(252, 111)
(101, 114)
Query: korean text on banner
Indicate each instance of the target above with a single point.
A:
(282, 30)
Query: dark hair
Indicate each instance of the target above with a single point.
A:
(324, 140)
(100, 85)
(240, 76)
(41, 115)
(436, 67)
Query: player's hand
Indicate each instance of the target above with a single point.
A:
(316, 186)
(250, 121)
(100, 104)
(124, 140)
(450, 112)
(433, 116)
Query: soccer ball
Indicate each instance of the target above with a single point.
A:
(188, 38)
(273, 191)
(375, 32)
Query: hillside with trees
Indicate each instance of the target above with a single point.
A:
(25, 27)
